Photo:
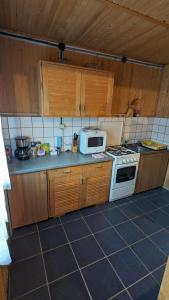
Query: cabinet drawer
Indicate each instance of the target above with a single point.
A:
(65, 175)
(98, 169)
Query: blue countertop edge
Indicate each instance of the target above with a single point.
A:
(65, 159)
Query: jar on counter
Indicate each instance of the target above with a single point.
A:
(8, 151)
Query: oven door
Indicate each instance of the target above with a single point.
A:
(124, 175)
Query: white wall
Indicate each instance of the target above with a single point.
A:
(45, 129)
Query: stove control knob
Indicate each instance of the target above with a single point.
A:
(135, 159)
(128, 160)
(120, 162)
(131, 159)
(124, 161)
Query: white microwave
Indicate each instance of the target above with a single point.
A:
(92, 141)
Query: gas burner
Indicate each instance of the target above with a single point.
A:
(118, 151)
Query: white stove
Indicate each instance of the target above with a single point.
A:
(124, 171)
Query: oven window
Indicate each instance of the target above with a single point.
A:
(95, 141)
(125, 174)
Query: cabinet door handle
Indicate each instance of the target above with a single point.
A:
(83, 107)
(79, 107)
(99, 167)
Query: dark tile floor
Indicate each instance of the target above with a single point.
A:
(112, 251)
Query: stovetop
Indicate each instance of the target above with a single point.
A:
(119, 151)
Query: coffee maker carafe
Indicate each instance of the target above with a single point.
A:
(22, 151)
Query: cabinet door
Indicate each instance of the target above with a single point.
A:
(60, 90)
(96, 93)
(65, 189)
(151, 172)
(28, 198)
(121, 94)
(97, 181)
(163, 100)
(145, 85)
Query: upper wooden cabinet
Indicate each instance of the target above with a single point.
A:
(163, 101)
(96, 93)
(60, 90)
(73, 91)
(145, 85)
(134, 81)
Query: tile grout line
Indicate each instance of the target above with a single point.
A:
(149, 236)
(29, 292)
(105, 256)
(23, 235)
(150, 273)
(129, 246)
(101, 211)
(44, 265)
(109, 227)
(77, 263)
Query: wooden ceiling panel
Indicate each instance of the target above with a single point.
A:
(153, 8)
(137, 29)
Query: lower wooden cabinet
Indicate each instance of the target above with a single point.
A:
(64, 190)
(27, 198)
(76, 187)
(152, 170)
(97, 180)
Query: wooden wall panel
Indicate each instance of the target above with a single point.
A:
(132, 28)
(18, 77)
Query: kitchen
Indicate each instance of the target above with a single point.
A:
(72, 215)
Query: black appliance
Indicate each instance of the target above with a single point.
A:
(22, 151)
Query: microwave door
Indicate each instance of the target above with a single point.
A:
(95, 141)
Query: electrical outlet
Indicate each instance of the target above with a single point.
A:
(61, 126)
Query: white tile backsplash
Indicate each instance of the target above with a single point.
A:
(13, 132)
(37, 122)
(68, 131)
(4, 122)
(48, 132)
(58, 131)
(77, 122)
(26, 131)
(45, 129)
(5, 132)
(48, 122)
(37, 132)
(85, 122)
(14, 122)
(26, 121)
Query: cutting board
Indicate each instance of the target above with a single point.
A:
(114, 132)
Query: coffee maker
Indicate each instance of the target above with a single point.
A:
(22, 151)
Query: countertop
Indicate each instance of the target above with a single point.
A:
(143, 150)
(65, 159)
